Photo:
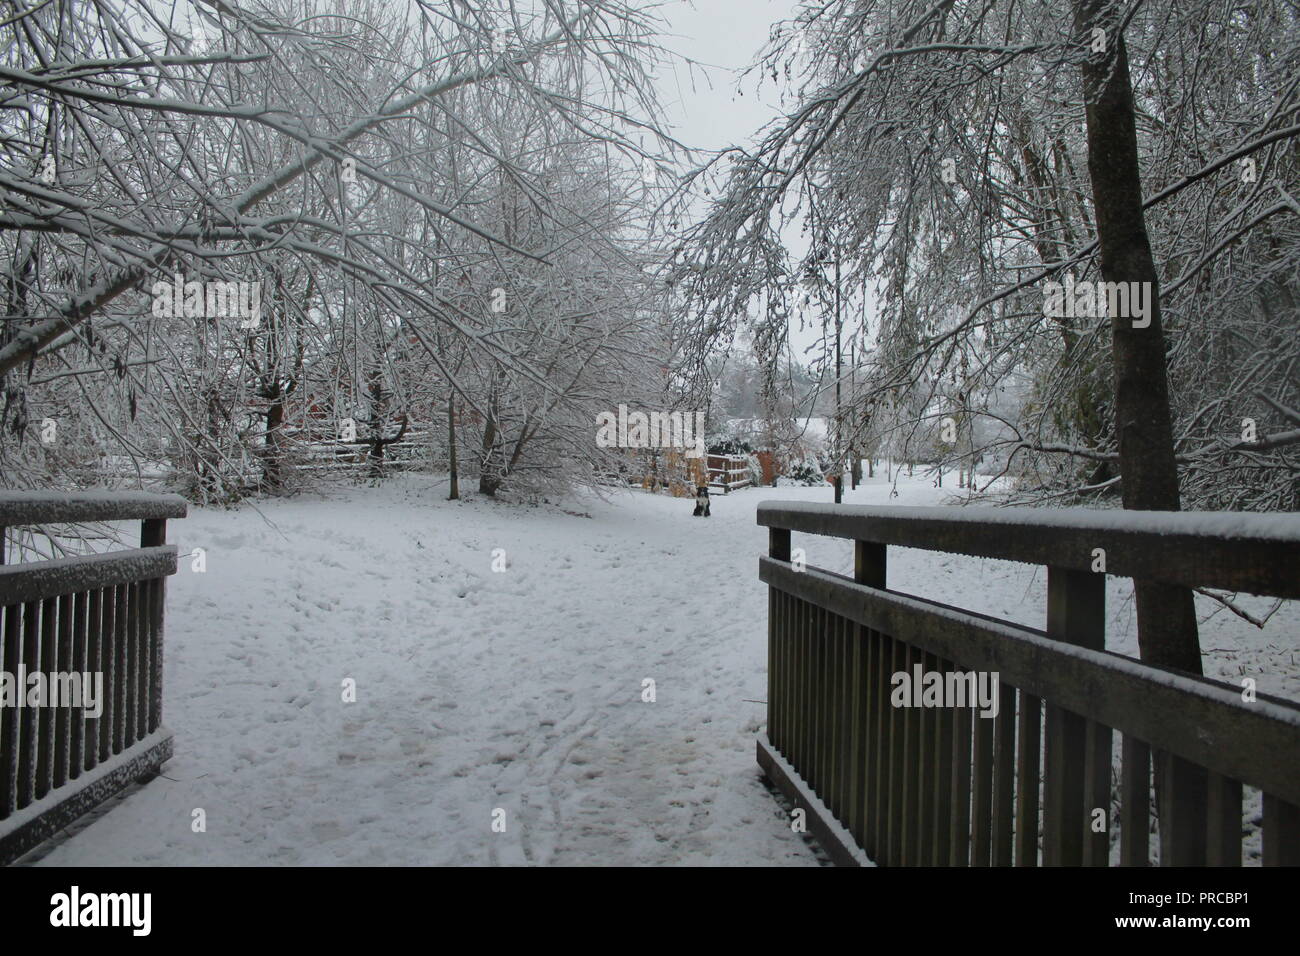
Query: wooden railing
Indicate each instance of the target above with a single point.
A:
(945, 786)
(728, 472)
(99, 615)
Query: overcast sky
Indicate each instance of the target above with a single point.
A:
(709, 113)
(727, 35)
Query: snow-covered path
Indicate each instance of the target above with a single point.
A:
(478, 691)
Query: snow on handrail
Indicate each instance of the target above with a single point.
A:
(1255, 553)
(41, 507)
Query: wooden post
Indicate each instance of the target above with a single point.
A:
(778, 548)
(1281, 832)
(1076, 614)
(153, 533)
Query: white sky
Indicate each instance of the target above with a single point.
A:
(703, 108)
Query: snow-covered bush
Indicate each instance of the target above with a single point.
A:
(806, 472)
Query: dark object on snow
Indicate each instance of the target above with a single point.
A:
(702, 501)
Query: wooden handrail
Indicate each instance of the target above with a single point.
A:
(1255, 553)
(45, 507)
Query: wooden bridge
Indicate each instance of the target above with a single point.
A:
(944, 786)
(1027, 785)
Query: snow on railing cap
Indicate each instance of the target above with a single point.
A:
(19, 508)
(1215, 524)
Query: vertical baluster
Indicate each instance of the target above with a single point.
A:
(817, 698)
(1224, 796)
(927, 770)
(807, 738)
(1182, 810)
(121, 665)
(1135, 803)
(144, 624)
(10, 739)
(1096, 788)
(1028, 778)
(826, 785)
(28, 740)
(830, 639)
(792, 751)
(844, 710)
(809, 675)
(859, 735)
(49, 656)
(982, 789)
(787, 672)
(869, 567)
(880, 762)
(1004, 779)
(77, 730)
(943, 730)
(848, 714)
(837, 764)
(108, 660)
(64, 715)
(897, 762)
(911, 798)
(959, 831)
(1063, 810)
(132, 665)
(1281, 832)
(95, 664)
(790, 712)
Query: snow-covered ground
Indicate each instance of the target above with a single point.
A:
(519, 690)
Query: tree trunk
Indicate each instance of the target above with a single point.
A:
(273, 463)
(1166, 616)
(1167, 633)
(454, 493)
(488, 479)
(378, 416)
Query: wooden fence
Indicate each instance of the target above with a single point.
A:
(943, 786)
(728, 472)
(96, 614)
